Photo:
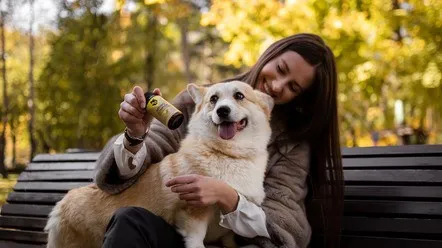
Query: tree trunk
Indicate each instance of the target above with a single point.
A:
(5, 111)
(31, 106)
(184, 26)
(44, 144)
(152, 32)
(14, 144)
(354, 138)
(397, 30)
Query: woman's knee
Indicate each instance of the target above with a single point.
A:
(140, 226)
(129, 227)
(125, 212)
(128, 218)
(132, 213)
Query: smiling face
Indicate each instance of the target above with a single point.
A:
(230, 108)
(285, 77)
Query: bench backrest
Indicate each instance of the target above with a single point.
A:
(393, 196)
(44, 182)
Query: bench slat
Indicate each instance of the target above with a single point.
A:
(392, 162)
(39, 198)
(392, 225)
(402, 208)
(22, 222)
(11, 244)
(61, 166)
(369, 191)
(399, 151)
(48, 186)
(350, 241)
(56, 175)
(27, 236)
(26, 210)
(67, 157)
(397, 176)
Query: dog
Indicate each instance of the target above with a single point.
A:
(227, 139)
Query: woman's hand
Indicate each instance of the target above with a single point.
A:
(133, 112)
(202, 191)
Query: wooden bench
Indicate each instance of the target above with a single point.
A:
(44, 182)
(393, 196)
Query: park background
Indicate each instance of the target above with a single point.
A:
(66, 64)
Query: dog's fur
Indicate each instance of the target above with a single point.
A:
(80, 218)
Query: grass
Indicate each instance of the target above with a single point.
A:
(6, 186)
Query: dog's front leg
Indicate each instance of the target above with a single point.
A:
(192, 223)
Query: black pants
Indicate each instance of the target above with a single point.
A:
(133, 227)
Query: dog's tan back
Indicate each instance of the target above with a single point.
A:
(80, 218)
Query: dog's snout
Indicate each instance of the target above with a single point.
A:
(223, 111)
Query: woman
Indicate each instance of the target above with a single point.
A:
(304, 174)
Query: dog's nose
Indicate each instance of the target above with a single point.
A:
(223, 111)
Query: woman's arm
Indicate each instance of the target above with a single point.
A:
(159, 142)
(286, 189)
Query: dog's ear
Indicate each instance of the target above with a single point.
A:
(196, 92)
(265, 101)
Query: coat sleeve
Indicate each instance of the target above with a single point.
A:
(160, 142)
(286, 188)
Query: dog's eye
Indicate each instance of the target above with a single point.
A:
(213, 99)
(239, 96)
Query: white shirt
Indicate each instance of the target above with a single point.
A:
(248, 220)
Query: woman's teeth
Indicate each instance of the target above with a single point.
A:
(266, 89)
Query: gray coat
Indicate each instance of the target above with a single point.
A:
(285, 182)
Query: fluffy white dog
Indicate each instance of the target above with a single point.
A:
(227, 139)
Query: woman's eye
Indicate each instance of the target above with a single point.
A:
(279, 69)
(213, 99)
(294, 89)
(239, 96)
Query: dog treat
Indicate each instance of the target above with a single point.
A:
(163, 111)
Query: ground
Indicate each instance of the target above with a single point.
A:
(6, 186)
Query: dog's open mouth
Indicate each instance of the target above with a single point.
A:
(227, 130)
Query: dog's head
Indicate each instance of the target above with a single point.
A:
(230, 111)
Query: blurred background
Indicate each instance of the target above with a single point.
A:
(66, 64)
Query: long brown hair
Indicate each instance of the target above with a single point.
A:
(314, 118)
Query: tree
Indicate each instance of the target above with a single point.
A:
(32, 139)
(76, 92)
(5, 7)
(384, 50)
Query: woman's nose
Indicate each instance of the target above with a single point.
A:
(277, 86)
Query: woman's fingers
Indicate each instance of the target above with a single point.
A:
(196, 190)
(189, 197)
(157, 91)
(132, 100)
(139, 95)
(186, 179)
(126, 107)
(128, 118)
(184, 188)
(193, 199)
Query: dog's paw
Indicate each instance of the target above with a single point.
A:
(195, 246)
(192, 243)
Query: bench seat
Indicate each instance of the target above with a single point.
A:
(393, 196)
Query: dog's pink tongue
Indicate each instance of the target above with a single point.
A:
(226, 130)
